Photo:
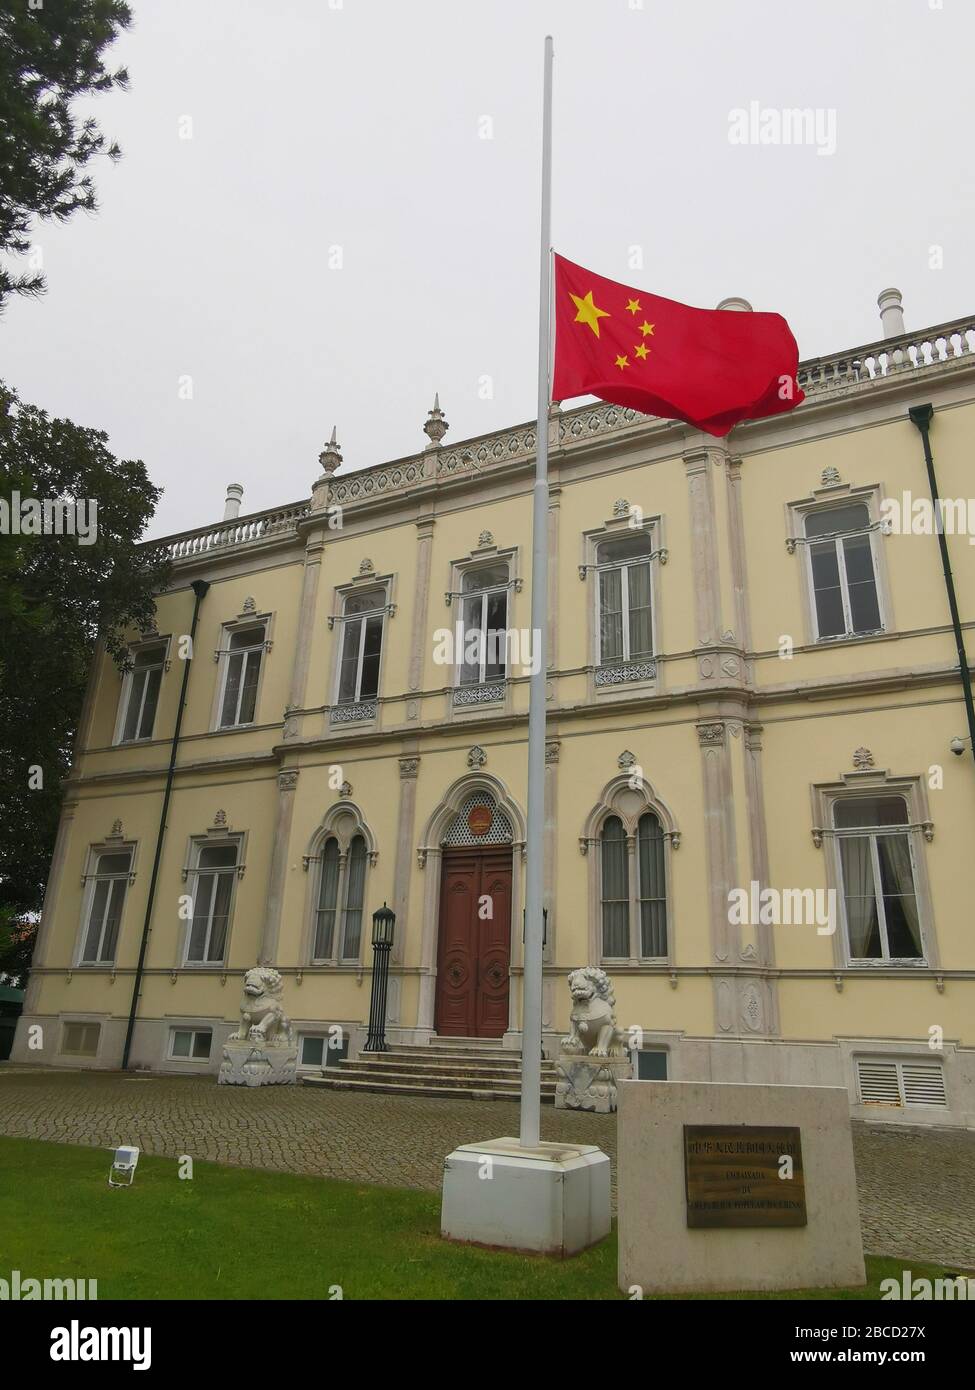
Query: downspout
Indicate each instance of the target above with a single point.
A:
(922, 415)
(199, 587)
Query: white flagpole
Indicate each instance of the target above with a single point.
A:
(531, 1023)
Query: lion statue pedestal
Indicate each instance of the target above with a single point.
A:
(262, 1052)
(592, 1057)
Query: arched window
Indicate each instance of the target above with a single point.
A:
(629, 836)
(651, 887)
(615, 890)
(341, 894)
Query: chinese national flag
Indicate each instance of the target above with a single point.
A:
(709, 367)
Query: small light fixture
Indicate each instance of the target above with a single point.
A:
(124, 1161)
(383, 921)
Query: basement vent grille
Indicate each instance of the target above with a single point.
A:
(901, 1083)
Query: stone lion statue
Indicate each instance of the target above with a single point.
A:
(593, 1018)
(262, 1018)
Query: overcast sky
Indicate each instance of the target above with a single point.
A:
(360, 125)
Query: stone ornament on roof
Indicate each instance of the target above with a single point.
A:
(436, 425)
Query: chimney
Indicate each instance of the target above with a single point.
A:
(891, 313)
(737, 303)
(231, 507)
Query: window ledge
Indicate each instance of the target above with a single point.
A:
(842, 640)
(907, 963)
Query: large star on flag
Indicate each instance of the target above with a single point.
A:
(588, 313)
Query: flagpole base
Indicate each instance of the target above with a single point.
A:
(552, 1199)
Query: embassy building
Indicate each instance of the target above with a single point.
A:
(755, 823)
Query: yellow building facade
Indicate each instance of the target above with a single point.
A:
(755, 822)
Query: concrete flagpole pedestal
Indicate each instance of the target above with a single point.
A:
(527, 1194)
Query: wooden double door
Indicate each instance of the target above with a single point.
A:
(474, 949)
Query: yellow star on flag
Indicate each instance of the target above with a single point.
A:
(646, 328)
(588, 313)
(642, 350)
(622, 362)
(633, 306)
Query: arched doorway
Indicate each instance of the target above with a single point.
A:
(474, 931)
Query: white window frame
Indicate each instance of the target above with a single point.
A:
(90, 880)
(484, 594)
(344, 623)
(877, 782)
(223, 656)
(194, 1032)
(623, 566)
(871, 834)
(837, 540)
(830, 499)
(128, 680)
(192, 873)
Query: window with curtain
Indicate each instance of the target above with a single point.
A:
(362, 644)
(623, 580)
(142, 692)
(242, 668)
(633, 927)
(615, 890)
(484, 622)
(106, 900)
(878, 882)
(213, 888)
(841, 566)
(341, 897)
(651, 887)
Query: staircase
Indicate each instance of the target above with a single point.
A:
(462, 1068)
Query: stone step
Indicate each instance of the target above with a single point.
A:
(436, 1077)
(427, 1087)
(463, 1069)
(437, 1050)
(498, 1057)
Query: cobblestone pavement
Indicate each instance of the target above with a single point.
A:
(917, 1187)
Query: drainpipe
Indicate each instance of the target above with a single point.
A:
(199, 587)
(921, 415)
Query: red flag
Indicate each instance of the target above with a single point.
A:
(709, 367)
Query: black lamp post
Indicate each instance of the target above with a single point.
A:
(383, 922)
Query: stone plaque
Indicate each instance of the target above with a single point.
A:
(733, 1176)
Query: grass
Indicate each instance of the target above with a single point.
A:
(249, 1234)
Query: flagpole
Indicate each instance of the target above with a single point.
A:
(531, 1023)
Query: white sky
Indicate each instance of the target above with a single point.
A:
(359, 127)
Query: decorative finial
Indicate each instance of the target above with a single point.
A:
(331, 456)
(436, 426)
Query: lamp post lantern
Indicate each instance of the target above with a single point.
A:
(383, 922)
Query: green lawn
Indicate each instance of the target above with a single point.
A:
(246, 1233)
